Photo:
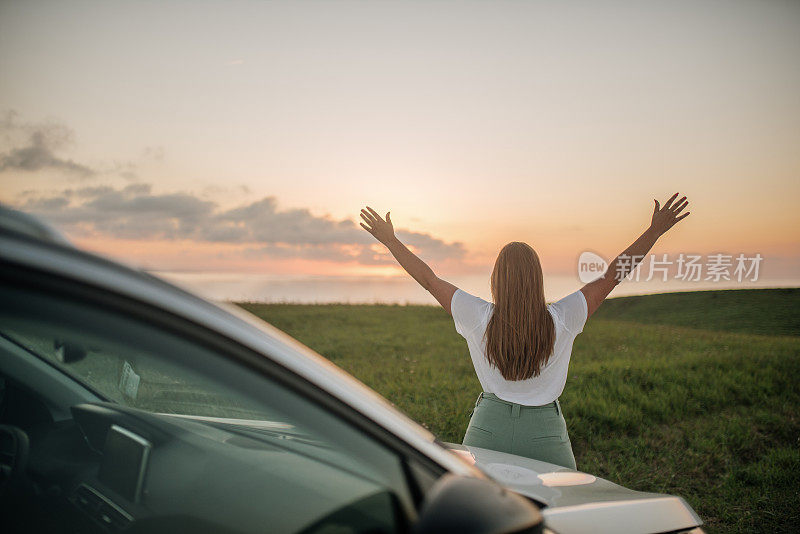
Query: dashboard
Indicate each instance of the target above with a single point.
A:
(110, 468)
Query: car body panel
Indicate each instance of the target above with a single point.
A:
(575, 501)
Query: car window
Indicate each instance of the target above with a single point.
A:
(126, 362)
(143, 365)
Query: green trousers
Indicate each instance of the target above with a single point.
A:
(537, 432)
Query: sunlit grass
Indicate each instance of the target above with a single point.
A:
(709, 411)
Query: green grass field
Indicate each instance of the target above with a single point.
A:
(694, 394)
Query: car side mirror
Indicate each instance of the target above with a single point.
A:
(476, 506)
(67, 352)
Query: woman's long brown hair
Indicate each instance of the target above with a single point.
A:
(520, 335)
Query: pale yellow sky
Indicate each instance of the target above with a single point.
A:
(550, 122)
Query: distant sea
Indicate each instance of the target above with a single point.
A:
(401, 290)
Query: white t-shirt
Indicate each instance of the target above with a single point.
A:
(471, 315)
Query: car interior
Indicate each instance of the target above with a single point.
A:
(110, 422)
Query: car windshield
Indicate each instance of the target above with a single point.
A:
(131, 374)
(135, 363)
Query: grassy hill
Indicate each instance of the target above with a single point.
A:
(751, 311)
(693, 394)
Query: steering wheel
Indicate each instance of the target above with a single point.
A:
(14, 447)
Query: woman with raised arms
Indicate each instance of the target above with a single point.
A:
(520, 346)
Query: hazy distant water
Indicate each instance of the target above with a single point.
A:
(398, 290)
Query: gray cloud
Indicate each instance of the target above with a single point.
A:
(135, 212)
(33, 147)
(37, 151)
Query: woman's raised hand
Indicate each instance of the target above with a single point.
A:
(381, 229)
(666, 217)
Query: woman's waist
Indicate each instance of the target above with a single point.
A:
(491, 397)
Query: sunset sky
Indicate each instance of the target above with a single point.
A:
(246, 136)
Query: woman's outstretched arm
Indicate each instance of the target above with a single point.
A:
(663, 219)
(383, 231)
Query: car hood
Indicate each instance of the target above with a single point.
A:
(579, 502)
